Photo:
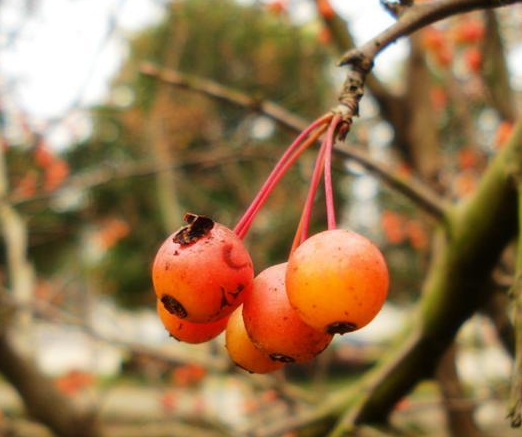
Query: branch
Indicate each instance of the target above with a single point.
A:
(414, 18)
(413, 189)
(105, 174)
(515, 407)
(225, 94)
(42, 400)
(495, 71)
(456, 286)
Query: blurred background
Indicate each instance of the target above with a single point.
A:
(99, 163)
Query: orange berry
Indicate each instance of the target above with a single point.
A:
(188, 332)
(473, 59)
(337, 281)
(241, 349)
(274, 326)
(469, 32)
(503, 133)
(325, 9)
(202, 271)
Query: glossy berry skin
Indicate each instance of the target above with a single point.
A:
(241, 349)
(202, 271)
(337, 281)
(274, 326)
(188, 332)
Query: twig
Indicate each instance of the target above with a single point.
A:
(414, 189)
(414, 18)
(89, 179)
(225, 94)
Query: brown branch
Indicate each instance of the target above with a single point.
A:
(495, 71)
(515, 403)
(456, 286)
(42, 400)
(413, 189)
(225, 94)
(414, 18)
(89, 179)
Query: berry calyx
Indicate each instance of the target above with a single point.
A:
(274, 326)
(183, 330)
(202, 271)
(241, 349)
(337, 281)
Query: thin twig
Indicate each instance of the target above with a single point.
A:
(413, 189)
(414, 18)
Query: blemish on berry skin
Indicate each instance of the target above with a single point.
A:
(176, 253)
(198, 227)
(282, 358)
(341, 328)
(227, 258)
(173, 306)
(174, 337)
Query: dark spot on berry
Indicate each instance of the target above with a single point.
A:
(227, 258)
(282, 358)
(341, 328)
(173, 306)
(198, 227)
(176, 253)
(174, 337)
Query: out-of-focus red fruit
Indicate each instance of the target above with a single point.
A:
(433, 39)
(274, 326)
(168, 402)
(55, 174)
(393, 226)
(439, 98)
(325, 36)
(465, 183)
(202, 271)
(43, 156)
(241, 349)
(325, 9)
(473, 58)
(444, 57)
(468, 158)
(337, 281)
(417, 234)
(503, 133)
(469, 32)
(277, 7)
(188, 332)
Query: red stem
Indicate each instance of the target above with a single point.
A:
(252, 208)
(304, 223)
(330, 208)
(286, 165)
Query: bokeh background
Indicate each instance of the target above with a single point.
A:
(100, 162)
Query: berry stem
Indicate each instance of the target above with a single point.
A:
(319, 122)
(241, 232)
(330, 208)
(304, 222)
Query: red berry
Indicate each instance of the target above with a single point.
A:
(274, 326)
(202, 271)
(188, 332)
(337, 281)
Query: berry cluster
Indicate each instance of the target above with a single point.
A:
(334, 282)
